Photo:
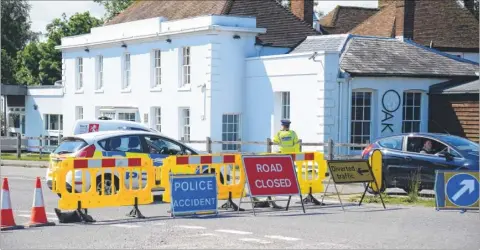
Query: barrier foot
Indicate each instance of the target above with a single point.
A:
(274, 205)
(231, 204)
(84, 217)
(260, 204)
(135, 212)
(311, 199)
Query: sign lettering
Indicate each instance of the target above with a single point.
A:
(193, 194)
(350, 171)
(390, 104)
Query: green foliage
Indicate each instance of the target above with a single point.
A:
(41, 63)
(414, 185)
(15, 35)
(113, 8)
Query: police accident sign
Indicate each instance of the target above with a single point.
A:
(271, 175)
(193, 194)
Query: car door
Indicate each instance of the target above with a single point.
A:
(416, 164)
(126, 146)
(393, 158)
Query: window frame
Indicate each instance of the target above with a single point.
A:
(46, 122)
(127, 71)
(285, 105)
(185, 129)
(78, 112)
(157, 118)
(231, 147)
(182, 147)
(108, 149)
(353, 119)
(156, 69)
(405, 106)
(99, 73)
(125, 113)
(79, 73)
(186, 65)
(424, 138)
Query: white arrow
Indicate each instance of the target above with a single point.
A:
(468, 185)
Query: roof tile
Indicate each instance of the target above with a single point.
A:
(344, 18)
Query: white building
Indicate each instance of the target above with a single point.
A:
(208, 76)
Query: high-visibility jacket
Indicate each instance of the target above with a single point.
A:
(287, 141)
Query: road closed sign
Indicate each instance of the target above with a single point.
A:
(271, 175)
(193, 194)
(350, 171)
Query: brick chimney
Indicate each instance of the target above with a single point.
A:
(469, 5)
(404, 18)
(303, 9)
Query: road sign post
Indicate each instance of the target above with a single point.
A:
(271, 175)
(457, 190)
(351, 171)
(193, 194)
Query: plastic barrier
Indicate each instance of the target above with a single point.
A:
(376, 161)
(311, 169)
(227, 168)
(112, 179)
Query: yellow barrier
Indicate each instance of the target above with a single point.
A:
(115, 182)
(375, 161)
(230, 175)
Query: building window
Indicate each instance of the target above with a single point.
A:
(230, 131)
(411, 112)
(285, 105)
(157, 64)
(79, 113)
(79, 73)
(186, 66)
(99, 72)
(53, 122)
(126, 71)
(185, 124)
(126, 116)
(158, 119)
(361, 118)
(109, 114)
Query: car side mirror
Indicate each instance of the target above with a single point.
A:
(446, 155)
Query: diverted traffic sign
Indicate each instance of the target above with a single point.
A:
(352, 171)
(271, 175)
(457, 190)
(193, 194)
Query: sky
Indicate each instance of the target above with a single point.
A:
(43, 12)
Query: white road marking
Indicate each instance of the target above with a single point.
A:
(191, 227)
(278, 237)
(255, 240)
(125, 226)
(207, 234)
(28, 216)
(159, 224)
(232, 231)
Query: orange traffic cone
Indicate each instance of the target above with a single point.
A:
(7, 220)
(39, 216)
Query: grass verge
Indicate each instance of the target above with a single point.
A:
(25, 157)
(395, 200)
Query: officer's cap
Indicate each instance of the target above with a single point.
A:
(285, 122)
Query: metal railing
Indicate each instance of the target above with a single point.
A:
(20, 143)
(268, 143)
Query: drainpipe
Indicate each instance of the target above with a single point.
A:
(348, 78)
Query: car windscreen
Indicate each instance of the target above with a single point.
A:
(70, 146)
(462, 144)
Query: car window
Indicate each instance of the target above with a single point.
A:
(417, 144)
(70, 146)
(392, 142)
(131, 143)
(159, 145)
(461, 144)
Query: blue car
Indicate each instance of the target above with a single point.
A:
(406, 156)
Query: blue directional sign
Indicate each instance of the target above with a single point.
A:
(457, 190)
(193, 194)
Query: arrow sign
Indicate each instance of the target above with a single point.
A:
(468, 185)
(360, 171)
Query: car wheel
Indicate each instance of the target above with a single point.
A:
(382, 189)
(109, 187)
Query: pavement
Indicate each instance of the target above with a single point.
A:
(326, 227)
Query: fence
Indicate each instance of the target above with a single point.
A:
(22, 142)
(46, 144)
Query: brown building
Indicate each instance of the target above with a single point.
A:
(454, 108)
(446, 25)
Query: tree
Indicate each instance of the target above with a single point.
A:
(16, 34)
(113, 8)
(41, 63)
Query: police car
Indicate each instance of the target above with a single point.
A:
(117, 143)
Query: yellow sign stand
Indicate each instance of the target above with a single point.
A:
(351, 171)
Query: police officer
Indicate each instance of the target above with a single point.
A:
(287, 139)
